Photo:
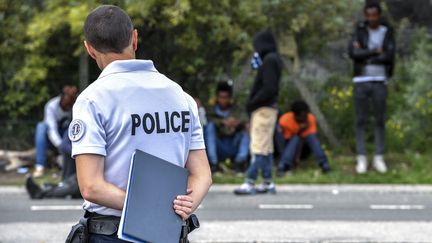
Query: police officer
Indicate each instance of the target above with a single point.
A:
(130, 106)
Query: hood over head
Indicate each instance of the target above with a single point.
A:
(264, 43)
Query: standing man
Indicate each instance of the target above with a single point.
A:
(130, 106)
(262, 105)
(49, 132)
(372, 49)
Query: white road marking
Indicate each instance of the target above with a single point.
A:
(285, 206)
(55, 207)
(397, 207)
(11, 190)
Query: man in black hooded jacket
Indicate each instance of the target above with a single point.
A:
(372, 49)
(262, 107)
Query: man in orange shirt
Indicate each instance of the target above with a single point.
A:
(299, 126)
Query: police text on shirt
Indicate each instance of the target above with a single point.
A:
(161, 122)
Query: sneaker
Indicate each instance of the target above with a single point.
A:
(362, 164)
(245, 189)
(33, 189)
(268, 188)
(39, 171)
(379, 164)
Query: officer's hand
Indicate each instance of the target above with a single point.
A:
(183, 205)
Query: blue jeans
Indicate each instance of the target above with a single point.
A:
(289, 153)
(42, 143)
(235, 147)
(260, 162)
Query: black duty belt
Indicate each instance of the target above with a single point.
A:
(109, 225)
(102, 224)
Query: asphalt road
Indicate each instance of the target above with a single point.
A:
(294, 214)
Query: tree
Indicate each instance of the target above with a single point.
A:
(191, 47)
(43, 48)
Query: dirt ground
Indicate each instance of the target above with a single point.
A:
(14, 178)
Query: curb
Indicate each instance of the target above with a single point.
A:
(296, 188)
(336, 187)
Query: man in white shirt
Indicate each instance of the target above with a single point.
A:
(130, 106)
(50, 131)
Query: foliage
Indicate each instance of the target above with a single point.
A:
(14, 15)
(337, 104)
(419, 93)
(194, 42)
(199, 42)
(43, 45)
(312, 22)
(410, 124)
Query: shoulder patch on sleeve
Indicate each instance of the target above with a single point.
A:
(76, 130)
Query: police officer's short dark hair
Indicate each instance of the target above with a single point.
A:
(299, 106)
(108, 29)
(372, 4)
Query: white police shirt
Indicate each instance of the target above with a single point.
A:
(133, 106)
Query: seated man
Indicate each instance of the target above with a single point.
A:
(298, 128)
(69, 185)
(57, 116)
(225, 133)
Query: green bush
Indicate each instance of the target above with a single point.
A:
(337, 106)
(409, 124)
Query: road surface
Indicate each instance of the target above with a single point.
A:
(298, 213)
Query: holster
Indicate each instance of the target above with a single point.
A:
(95, 224)
(79, 232)
(188, 226)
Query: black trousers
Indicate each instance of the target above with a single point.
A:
(366, 95)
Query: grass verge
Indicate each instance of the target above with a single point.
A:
(404, 168)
